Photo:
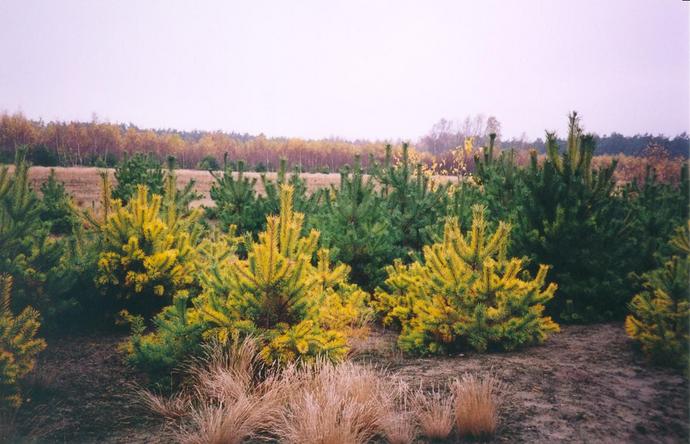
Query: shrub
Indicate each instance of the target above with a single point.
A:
(466, 293)
(413, 201)
(178, 331)
(236, 201)
(42, 155)
(476, 409)
(239, 205)
(276, 292)
(501, 182)
(573, 220)
(147, 252)
(18, 345)
(658, 208)
(301, 200)
(139, 169)
(209, 163)
(659, 319)
(297, 310)
(39, 265)
(355, 225)
(56, 207)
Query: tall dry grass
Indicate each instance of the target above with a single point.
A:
(225, 401)
(476, 406)
(231, 397)
(435, 413)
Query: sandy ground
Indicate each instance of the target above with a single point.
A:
(584, 385)
(83, 183)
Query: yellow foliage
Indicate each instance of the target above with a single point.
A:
(466, 293)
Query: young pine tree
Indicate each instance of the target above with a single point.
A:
(659, 320)
(237, 203)
(277, 293)
(56, 207)
(658, 208)
(18, 345)
(139, 169)
(573, 220)
(147, 250)
(500, 181)
(302, 201)
(413, 201)
(466, 293)
(36, 262)
(355, 226)
(298, 310)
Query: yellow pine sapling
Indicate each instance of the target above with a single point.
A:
(18, 345)
(466, 293)
(660, 314)
(147, 251)
(299, 310)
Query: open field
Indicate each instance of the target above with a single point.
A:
(83, 183)
(584, 385)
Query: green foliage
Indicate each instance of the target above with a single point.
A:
(413, 201)
(18, 345)
(139, 169)
(355, 226)
(500, 181)
(147, 251)
(465, 293)
(237, 203)
(275, 293)
(175, 338)
(56, 207)
(297, 309)
(302, 201)
(658, 208)
(660, 314)
(209, 163)
(39, 265)
(573, 220)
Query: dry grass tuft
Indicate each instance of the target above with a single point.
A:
(224, 402)
(435, 413)
(399, 427)
(335, 404)
(232, 398)
(476, 409)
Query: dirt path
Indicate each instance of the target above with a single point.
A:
(584, 385)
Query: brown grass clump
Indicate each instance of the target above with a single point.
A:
(435, 413)
(476, 409)
(399, 427)
(335, 404)
(231, 397)
(225, 402)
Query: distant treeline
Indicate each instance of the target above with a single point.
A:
(104, 144)
(446, 135)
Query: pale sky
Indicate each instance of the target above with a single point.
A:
(356, 69)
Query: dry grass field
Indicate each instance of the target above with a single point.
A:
(83, 183)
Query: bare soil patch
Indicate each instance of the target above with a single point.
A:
(584, 385)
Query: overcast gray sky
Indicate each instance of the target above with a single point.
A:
(356, 69)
